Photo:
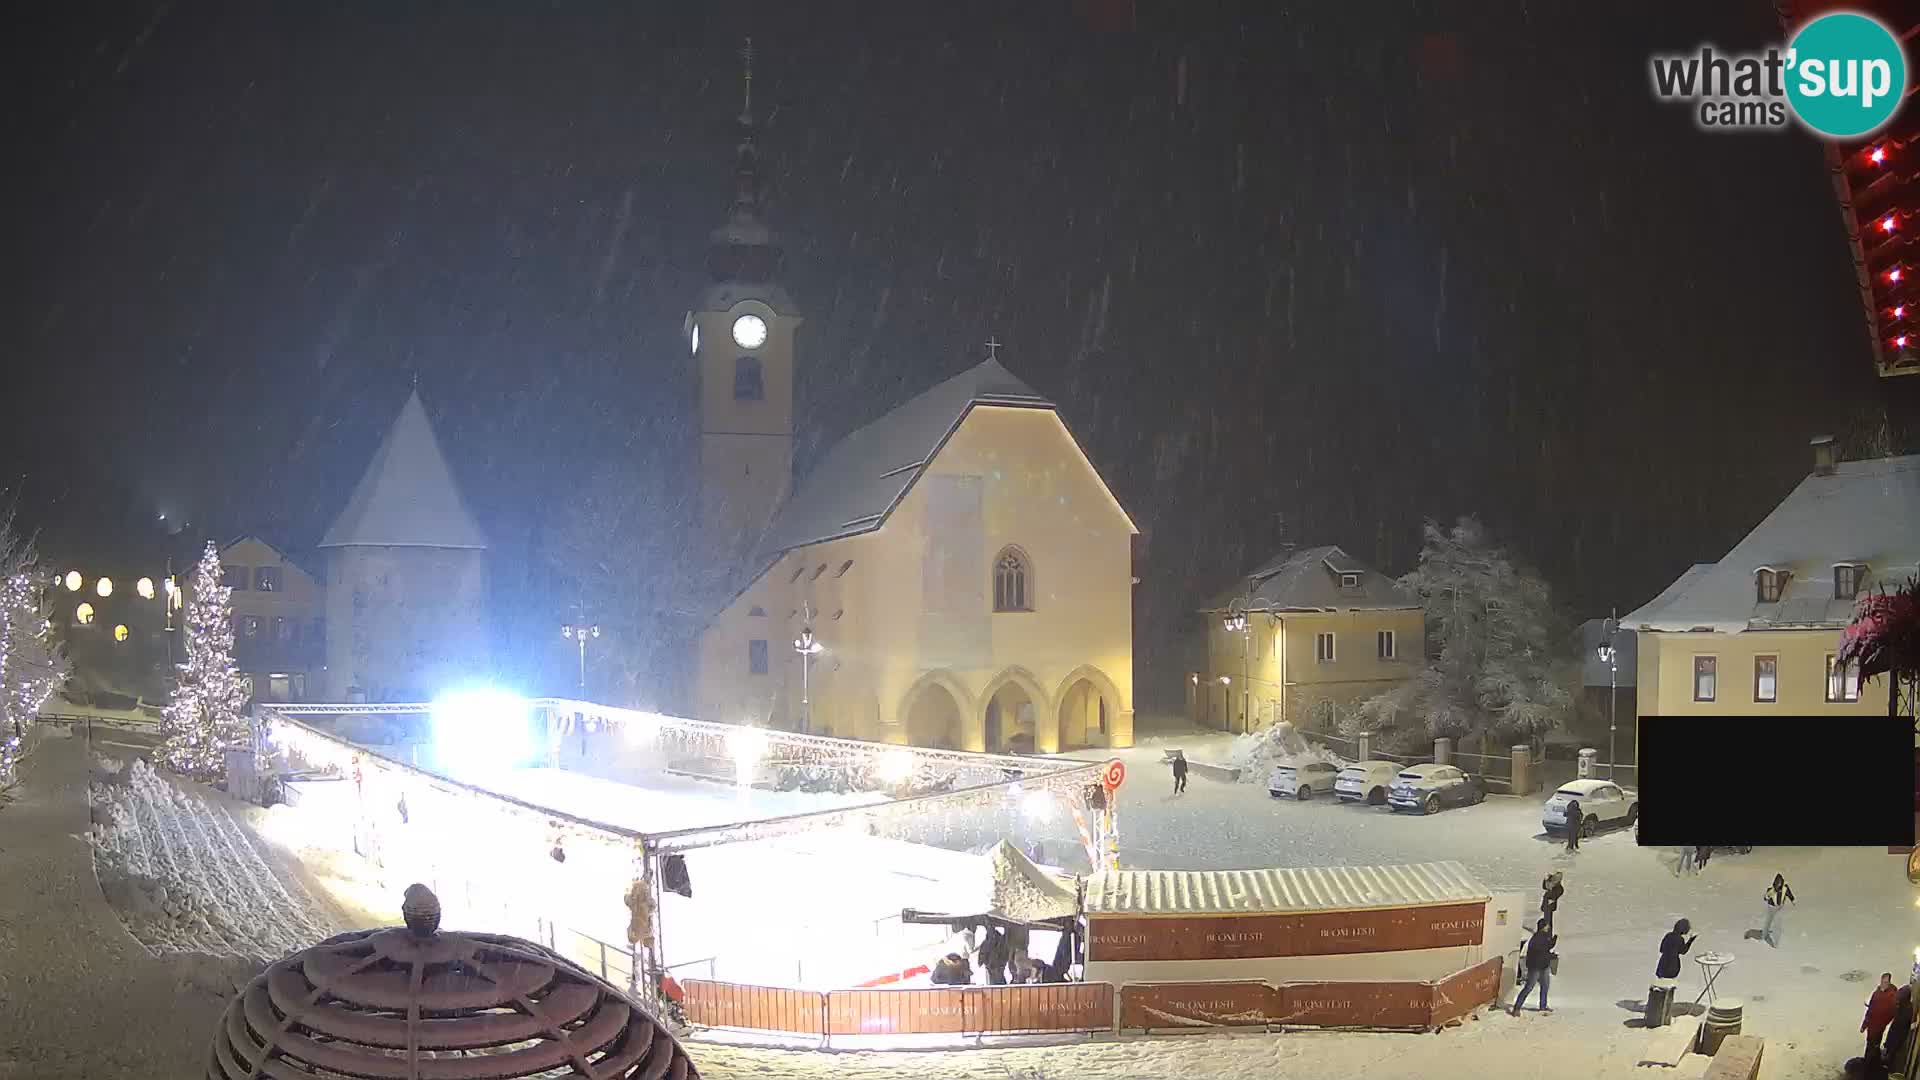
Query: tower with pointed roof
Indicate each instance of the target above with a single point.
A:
(741, 337)
(406, 575)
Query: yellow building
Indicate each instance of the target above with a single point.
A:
(1302, 639)
(279, 626)
(955, 573)
(1757, 631)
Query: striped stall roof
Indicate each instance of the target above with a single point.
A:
(1251, 892)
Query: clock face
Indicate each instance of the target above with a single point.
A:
(749, 331)
(694, 340)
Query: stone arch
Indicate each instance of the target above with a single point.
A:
(1001, 720)
(1086, 695)
(935, 712)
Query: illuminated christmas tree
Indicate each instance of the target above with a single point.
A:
(207, 713)
(32, 665)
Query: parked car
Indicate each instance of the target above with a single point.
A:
(1365, 782)
(1603, 803)
(1429, 787)
(1301, 781)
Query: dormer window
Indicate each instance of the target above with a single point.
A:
(1769, 584)
(1846, 580)
(1349, 581)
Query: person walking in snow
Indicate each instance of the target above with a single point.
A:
(1685, 865)
(1779, 897)
(1893, 1052)
(1539, 965)
(1179, 772)
(1551, 890)
(1672, 948)
(1574, 822)
(1881, 1008)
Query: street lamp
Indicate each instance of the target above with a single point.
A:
(1610, 656)
(1236, 623)
(580, 634)
(808, 648)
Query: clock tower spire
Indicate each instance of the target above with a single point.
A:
(741, 335)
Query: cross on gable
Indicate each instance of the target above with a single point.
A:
(993, 348)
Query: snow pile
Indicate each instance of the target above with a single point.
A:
(185, 877)
(1256, 753)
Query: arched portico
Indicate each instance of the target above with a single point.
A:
(1017, 714)
(1090, 711)
(937, 711)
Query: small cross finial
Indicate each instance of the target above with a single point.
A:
(993, 348)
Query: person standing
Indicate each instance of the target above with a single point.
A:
(1179, 772)
(1881, 1008)
(1778, 898)
(1551, 890)
(1539, 965)
(1894, 1051)
(1672, 948)
(1574, 822)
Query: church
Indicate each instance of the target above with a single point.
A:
(955, 573)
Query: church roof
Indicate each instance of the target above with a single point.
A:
(859, 482)
(407, 497)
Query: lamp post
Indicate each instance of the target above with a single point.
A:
(1236, 623)
(807, 647)
(579, 635)
(1610, 656)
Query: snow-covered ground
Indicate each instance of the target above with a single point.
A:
(658, 802)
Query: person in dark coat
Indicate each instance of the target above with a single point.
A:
(1672, 948)
(1539, 965)
(1881, 1008)
(1551, 890)
(1179, 772)
(1894, 1051)
(952, 970)
(1574, 820)
(994, 954)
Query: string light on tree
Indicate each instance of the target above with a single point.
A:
(207, 713)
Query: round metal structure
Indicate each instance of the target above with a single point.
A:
(419, 1004)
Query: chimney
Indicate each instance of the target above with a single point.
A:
(1822, 455)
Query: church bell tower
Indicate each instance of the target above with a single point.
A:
(741, 336)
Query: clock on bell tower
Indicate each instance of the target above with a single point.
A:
(741, 336)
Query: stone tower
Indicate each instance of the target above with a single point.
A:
(406, 576)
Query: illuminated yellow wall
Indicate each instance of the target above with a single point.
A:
(892, 670)
(746, 446)
(1666, 667)
(1273, 673)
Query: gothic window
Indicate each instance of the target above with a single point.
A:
(1012, 581)
(747, 382)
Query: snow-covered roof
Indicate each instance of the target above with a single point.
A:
(1253, 892)
(859, 482)
(1864, 512)
(407, 498)
(1308, 579)
(1023, 892)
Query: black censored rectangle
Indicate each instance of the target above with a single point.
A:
(1780, 781)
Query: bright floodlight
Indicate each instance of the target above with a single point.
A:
(105, 588)
(481, 729)
(144, 587)
(895, 766)
(1038, 806)
(747, 745)
(74, 581)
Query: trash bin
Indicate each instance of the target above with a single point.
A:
(1659, 1004)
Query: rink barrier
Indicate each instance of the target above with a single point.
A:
(1069, 1008)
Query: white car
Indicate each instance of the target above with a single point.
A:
(1301, 781)
(1365, 782)
(1603, 803)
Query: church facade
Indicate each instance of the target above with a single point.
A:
(955, 573)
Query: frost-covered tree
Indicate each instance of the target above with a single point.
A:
(1493, 667)
(207, 713)
(32, 664)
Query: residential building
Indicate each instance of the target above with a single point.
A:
(1757, 631)
(279, 622)
(1309, 634)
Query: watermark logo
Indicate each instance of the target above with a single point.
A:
(1842, 76)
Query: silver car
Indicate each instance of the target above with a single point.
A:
(1301, 781)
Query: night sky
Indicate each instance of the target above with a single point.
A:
(1353, 264)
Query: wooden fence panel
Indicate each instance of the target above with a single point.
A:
(1198, 1005)
(896, 1012)
(1464, 991)
(1357, 1004)
(1308, 933)
(1039, 1008)
(755, 1008)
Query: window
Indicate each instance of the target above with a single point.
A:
(844, 567)
(817, 571)
(797, 571)
(246, 626)
(1349, 581)
(1384, 643)
(1012, 581)
(283, 630)
(757, 656)
(1323, 647)
(757, 612)
(839, 612)
(234, 577)
(266, 579)
(747, 382)
(1769, 584)
(1766, 678)
(1843, 684)
(1705, 677)
(1846, 581)
(318, 633)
